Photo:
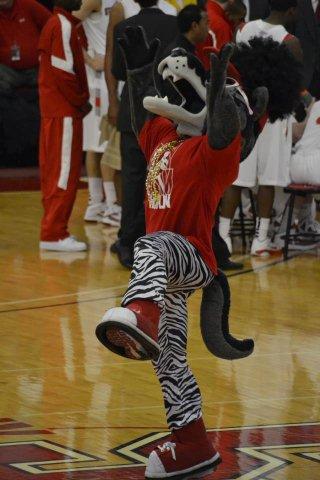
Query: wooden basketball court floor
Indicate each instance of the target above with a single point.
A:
(71, 410)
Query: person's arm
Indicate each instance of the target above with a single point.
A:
(40, 14)
(87, 7)
(118, 68)
(298, 128)
(68, 69)
(294, 46)
(116, 16)
(96, 62)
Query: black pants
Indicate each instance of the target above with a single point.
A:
(134, 170)
(314, 85)
(11, 79)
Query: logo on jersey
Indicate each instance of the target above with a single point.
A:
(159, 182)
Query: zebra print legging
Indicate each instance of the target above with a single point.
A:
(167, 270)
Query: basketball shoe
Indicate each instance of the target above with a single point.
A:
(263, 248)
(111, 216)
(69, 244)
(94, 212)
(188, 454)
(131, 332)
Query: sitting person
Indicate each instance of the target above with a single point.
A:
(305, 160)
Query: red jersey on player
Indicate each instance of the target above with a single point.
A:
(186, 180)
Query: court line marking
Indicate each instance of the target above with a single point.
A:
(232, 275)
(165, 428)
(154, 407)
(129, 363)
(87, 292)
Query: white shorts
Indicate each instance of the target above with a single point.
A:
(305, 167)
(91, 123)
(269, 162)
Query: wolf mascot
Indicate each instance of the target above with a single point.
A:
(194, 131)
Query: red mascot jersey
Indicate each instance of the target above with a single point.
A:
(186, 180)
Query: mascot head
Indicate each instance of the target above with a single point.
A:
(180, 81)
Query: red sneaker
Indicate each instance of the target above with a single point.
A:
(131, 332)
(188, 455)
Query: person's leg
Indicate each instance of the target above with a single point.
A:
(112, 212)
(134, 169)
(274, 152)
(229, 203)
(133, 175)
(167, 269)
(60, 165)
(261, 242)
(95, 187)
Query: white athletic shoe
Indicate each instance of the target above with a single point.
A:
(69, 244)
(94, 212)
(112, 216)
(263, 249)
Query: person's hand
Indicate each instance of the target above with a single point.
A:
(113, 111)
(97, 63)
(86, 108)
(135, 48)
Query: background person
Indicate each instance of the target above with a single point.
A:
(307, 30)
(193, 29)
(268, 164)
(64, 101)
(21, 22)
(133, 174)
(122, 10)
(94, 15)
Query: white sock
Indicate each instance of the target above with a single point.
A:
(262, 228)
(110, 193)
(224, 227)
(95, 190)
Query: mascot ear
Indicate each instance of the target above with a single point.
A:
(259, 104)
(214, 322)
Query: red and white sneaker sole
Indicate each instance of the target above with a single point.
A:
(200, 471)
(127, 340)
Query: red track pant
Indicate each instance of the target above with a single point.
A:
(60, 156)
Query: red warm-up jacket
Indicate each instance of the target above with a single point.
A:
(63, 84)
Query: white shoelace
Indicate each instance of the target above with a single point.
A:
(168, 446)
